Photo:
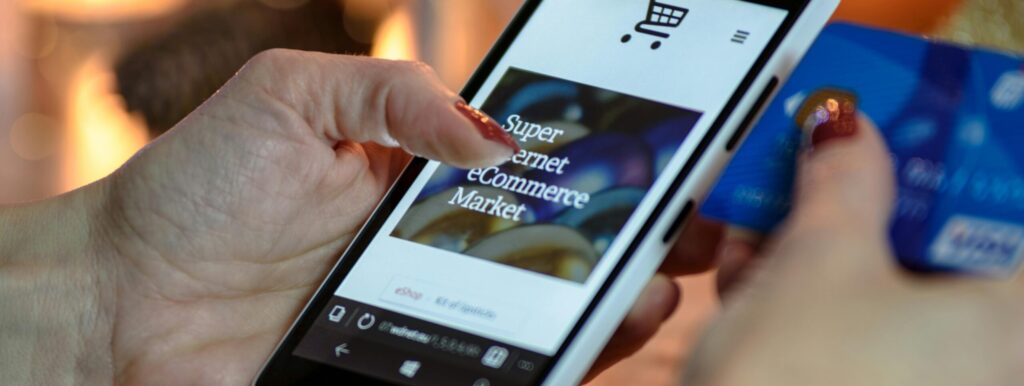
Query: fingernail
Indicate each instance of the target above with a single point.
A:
(834, 119)
(487, 127)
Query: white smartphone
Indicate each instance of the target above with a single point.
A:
(626, 112)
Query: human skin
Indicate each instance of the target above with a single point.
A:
(187, 265)
(823, 302)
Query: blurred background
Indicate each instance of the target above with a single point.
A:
(85, 83)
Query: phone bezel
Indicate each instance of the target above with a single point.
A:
(284, 367)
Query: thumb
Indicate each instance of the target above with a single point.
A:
(843, 199)
(358, 99)
(845, 177)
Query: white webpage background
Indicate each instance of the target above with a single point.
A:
(697, 68)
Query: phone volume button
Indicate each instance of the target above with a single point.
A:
(678, 222)
(748, 121)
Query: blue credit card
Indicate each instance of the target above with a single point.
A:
(953, 118)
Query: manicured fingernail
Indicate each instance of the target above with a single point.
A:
(486, 125)
(832, 120)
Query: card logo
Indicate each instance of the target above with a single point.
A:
(979, 245)
(1008, 93)
(661, 18)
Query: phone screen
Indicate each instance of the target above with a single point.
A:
(482, 275)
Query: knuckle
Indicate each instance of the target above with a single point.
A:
(270, 58)
(404, 76)
(271, 64)
(418, 67)
(412, 69)
(280, 71)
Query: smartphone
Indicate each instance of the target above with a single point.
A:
(518, 274)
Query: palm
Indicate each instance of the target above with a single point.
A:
(209, 300)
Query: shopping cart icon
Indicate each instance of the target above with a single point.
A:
(660, 17)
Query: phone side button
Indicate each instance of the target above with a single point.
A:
(748, 121)
(678, 222)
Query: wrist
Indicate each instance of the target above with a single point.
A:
(55, 292)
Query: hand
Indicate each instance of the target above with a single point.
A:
(205, 246)
(824, 302)
(695, 252)
(223, 228)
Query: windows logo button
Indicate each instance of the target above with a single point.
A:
(409, 368)
(495, 357)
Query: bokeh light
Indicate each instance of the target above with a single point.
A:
(98, 11)
(101, 134)
(395, 38)
(34, 136)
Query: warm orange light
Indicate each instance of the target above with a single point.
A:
(102, 10)
(101, 134)
(395, 37)
(913, 16)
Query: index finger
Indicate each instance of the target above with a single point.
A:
(392, 103)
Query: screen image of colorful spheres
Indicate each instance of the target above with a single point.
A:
(612, 148)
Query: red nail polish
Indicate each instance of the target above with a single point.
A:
(487, 127)
(835, 118)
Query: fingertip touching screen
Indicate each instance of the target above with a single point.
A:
(482, 274)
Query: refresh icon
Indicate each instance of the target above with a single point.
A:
(366, 321)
